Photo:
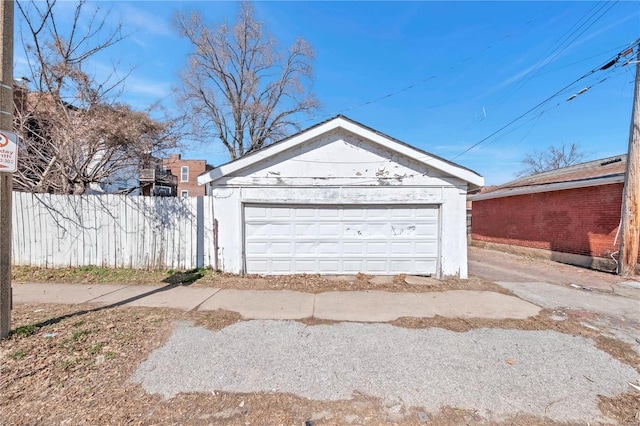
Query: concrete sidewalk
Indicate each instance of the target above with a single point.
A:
(357, 306)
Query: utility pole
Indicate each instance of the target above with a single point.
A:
(6, 123)
(630, 214)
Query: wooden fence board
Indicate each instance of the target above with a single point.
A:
(112, 231)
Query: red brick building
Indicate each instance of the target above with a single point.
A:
(570, 215)
(187, 172)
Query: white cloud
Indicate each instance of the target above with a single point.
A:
(145, 87)
(144, 22)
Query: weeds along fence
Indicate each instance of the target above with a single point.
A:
(115, 231)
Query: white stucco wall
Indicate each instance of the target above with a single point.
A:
(339, 168)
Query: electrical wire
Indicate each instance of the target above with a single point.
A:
(534, 71)
(419, 82)
(554, 53)
(548, 99)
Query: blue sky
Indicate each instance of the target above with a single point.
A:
(457, 71)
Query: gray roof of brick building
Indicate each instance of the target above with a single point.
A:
(591, 173)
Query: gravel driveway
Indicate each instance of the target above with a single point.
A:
(495, 371)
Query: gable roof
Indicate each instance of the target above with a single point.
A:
(592, 173)
(342, 122)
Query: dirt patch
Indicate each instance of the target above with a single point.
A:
(311, 283)
(624, 408)
(316, 321)
(216, 320)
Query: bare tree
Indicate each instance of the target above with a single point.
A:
(73, 133)
(552, 158)
(238, 87)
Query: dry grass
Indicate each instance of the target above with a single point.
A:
(311, 283)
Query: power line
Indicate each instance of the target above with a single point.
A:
(615, 49)
(420, 82)
(552, 52)
(546, 61)
(603, 67)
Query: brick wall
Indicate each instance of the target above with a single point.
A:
(581, 221)
(196, 167)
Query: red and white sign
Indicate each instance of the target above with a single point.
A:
(8, 152)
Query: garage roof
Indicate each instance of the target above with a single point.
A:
(342, 122)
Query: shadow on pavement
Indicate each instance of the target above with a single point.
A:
(116, 304)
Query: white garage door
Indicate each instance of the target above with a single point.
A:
(341, 239)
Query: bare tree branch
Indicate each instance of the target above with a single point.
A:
(551, 159)
(73, 133)
(238, 88)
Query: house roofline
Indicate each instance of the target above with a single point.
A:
(559, 186)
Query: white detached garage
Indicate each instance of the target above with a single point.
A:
(341, 198)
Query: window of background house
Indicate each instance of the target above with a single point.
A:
(184, 174)
(184, 194)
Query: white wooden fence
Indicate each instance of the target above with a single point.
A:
(112, 231)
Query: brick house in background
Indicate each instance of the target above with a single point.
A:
(569, 215)
(187, 172)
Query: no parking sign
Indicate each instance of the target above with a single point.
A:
(8, 152)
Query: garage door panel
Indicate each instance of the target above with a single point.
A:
(352, 230)
(401, 230)
(376, 266)
(354, 213)
(328, 213)
(257, 229)
(427, 214)
(427, 248)
(255, 212)
(377, 229)
(280, 230)
(402, 213)
(378, 213)
(402, 248)
(301, 265)
(257, 265)
(352, 266)
(304, 213)
(285, 248)
(281, 213)
(329, 229)
(426, 230)
(351, 248)
(305, 229)
(400, 266)
(376, 249)
(341, 239)
(426, 265)
(329, 265)
(303, 248)
(328, 247)
(281, 266)
(257, 247)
